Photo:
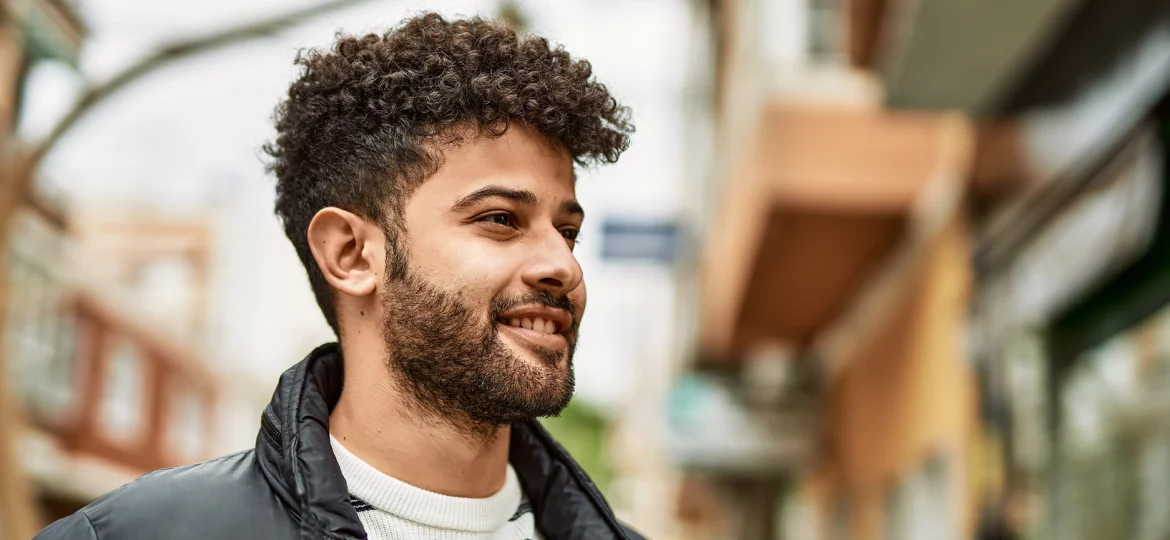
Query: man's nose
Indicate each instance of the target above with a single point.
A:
(553, 267)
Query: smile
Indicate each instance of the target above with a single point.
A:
(542, 319)
(536, 327)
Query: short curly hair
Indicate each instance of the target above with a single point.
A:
(364, 123)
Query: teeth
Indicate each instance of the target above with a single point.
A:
(536, 323)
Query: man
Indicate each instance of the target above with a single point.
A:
(426, 179)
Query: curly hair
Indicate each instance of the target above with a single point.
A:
(364, 123)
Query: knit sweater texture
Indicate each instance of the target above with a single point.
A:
(392, 509)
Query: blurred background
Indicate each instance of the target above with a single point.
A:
(871, 269)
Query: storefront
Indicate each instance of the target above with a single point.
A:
(1109, 356)
(1071, 336)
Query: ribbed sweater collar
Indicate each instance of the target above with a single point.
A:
(408, 502)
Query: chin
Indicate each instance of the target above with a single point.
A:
(553, 358)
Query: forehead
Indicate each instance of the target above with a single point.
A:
(520, 159)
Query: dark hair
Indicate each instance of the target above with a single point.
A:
(365, 122)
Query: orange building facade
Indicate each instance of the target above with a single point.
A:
(873, 203)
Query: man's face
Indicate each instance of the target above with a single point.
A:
(484, 323)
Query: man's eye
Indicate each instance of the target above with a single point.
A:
(570, 234)
(507, 220)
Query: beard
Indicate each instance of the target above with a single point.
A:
(449, 357)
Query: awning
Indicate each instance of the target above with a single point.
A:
(963, 54)
(818, 200)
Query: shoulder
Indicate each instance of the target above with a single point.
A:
(75, 527)
(203, 500)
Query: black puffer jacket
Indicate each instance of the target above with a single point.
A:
(290, 486)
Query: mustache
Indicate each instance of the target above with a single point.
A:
(543, 298)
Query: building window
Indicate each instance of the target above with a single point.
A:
(798, 32)
(918, 507)
(62, 367)
(34, 339)
(165, 288)
(122, 399)
(826, 39)
(188, 423)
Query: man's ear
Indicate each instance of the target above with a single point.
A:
(347, 249)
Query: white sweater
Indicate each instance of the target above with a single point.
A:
(392, 509)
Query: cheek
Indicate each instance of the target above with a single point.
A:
(470, 269)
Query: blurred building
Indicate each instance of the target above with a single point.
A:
(1069, 194)
(103, 376)
(30, 31)
(110, 389)
(832, 291)
(932, 291)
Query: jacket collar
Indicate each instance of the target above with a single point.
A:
(296, 458)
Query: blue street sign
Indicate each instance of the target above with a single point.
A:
(656, 241)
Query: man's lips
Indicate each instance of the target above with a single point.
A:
(533, 338)
(537, 326)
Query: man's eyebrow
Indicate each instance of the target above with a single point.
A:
(572, 207)
(520, 196)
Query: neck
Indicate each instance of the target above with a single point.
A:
(381, 424)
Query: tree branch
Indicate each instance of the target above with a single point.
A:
(166, 55)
